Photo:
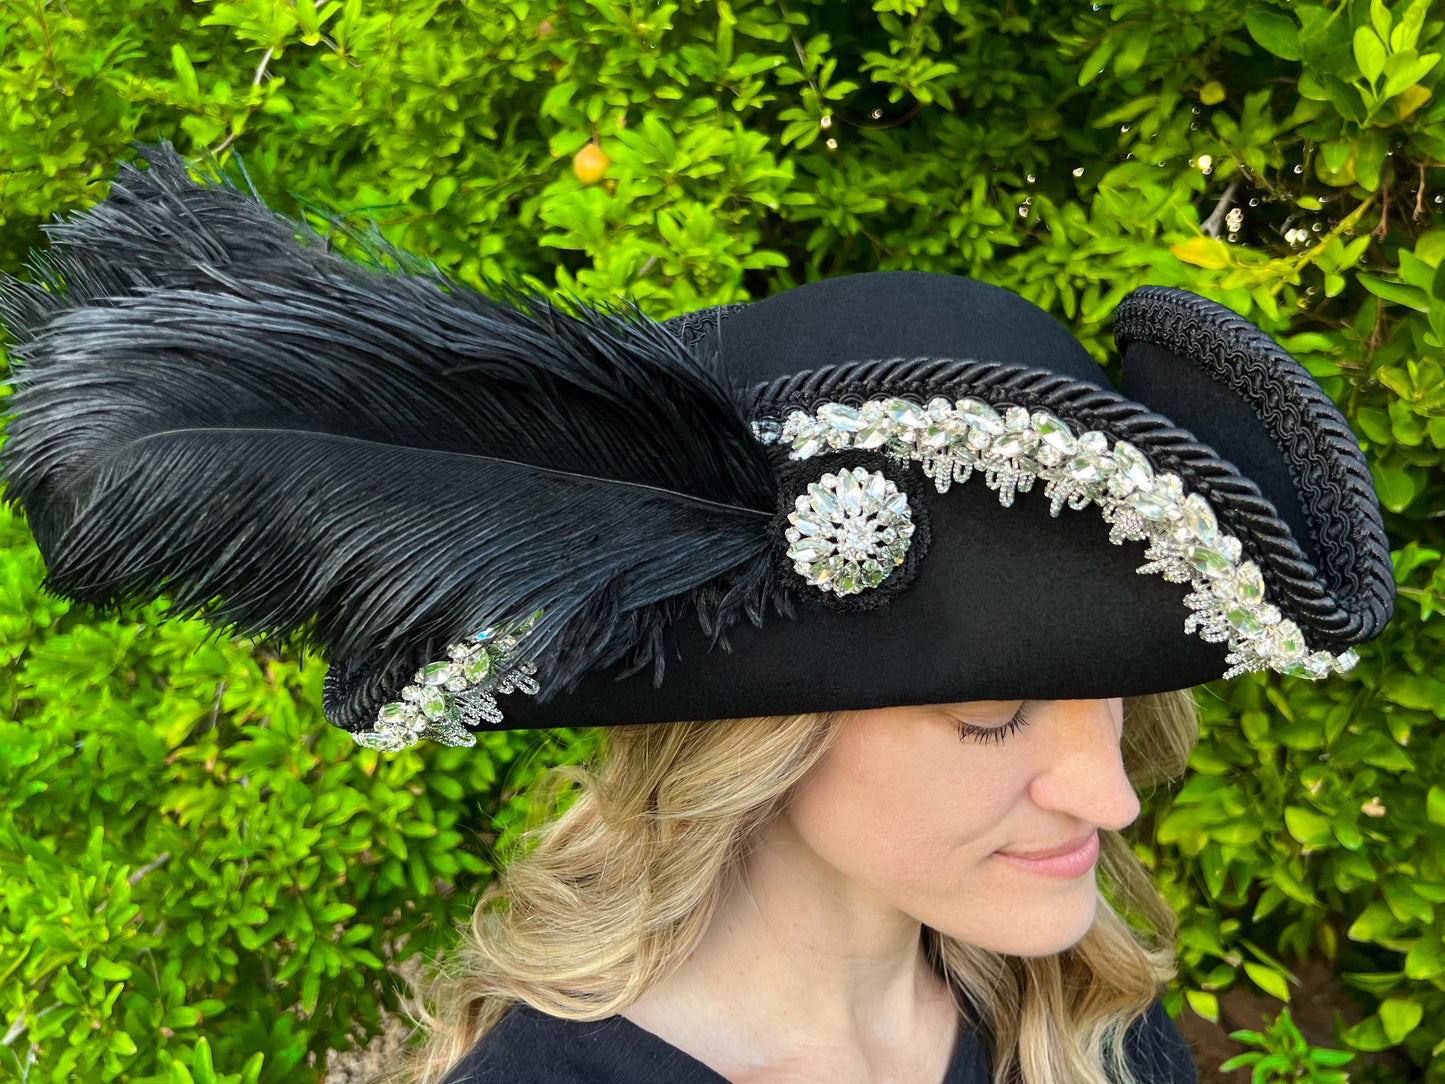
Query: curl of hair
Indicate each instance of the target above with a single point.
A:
(619, 882)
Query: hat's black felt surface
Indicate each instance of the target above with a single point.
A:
(1009, 603)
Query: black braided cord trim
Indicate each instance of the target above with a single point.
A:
(1295, 585)
(1323, 457)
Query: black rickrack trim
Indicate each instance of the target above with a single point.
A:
(1333, 622)
(1324, 461)
(793, 478)
(692, 327)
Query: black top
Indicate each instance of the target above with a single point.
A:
(530, 1047)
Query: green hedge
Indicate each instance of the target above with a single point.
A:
(202, 882)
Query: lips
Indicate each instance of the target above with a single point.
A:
(1053, 852)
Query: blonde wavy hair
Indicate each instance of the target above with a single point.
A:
(617, 885)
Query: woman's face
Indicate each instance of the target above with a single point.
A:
(902, 811)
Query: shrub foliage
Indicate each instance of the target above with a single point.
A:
(202, 882)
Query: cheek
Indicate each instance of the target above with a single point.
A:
(905, 822)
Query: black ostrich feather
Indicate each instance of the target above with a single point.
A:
(211, 405)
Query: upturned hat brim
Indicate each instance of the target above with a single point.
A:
(1015, 602)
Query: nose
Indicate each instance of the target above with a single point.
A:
(1082, 773)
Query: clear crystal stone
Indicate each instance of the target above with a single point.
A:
(979, 415)
(871, 436)
(433, 702)
(397, 714)
(434, 673)
(1169, 487)
(810, 549)
(905, 413)
(1199, 519)
(939, 408)
(935, 436)
(1130, 461)
(805, 447)
(1244, 621)
(1207, 560)
(1285, 640)
(1014, 443)
(812, 525)
(1087, 466)
(477, 669)
(767, 431)
(823, 502)
(838, 416)
(850, 495)
(1152, 506)
(1053, 433)
(1248, 583)
(822, 572)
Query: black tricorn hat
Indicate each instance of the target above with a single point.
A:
(874, 490)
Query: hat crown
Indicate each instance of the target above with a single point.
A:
(893, 314)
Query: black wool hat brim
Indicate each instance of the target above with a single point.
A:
(1013, 603)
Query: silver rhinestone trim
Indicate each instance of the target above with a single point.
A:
(448, 698)
(849, 531)
(1013, 450)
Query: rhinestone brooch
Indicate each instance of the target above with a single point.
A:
(1013, 450)
(445, 698)
(849, 531)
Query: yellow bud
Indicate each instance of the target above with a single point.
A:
(1212, 92)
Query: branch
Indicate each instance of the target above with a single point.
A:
(1210, 227)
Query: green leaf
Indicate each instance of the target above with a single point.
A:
(1398, 292)
(1426, 958)
(1435, 804)
(185, 75)
(1204, 1003)
(202, 1067)
(1277, 33)
(1369, 53)
(1267, 979)
(121, 1043)
(1406, 33)
(1394, 485)
(1132, 52)
(1380, 19)
(1368, 1034)
(109, 970)
(1405, 70)
(1307, 826)
(1400, 1017)
(1095, 62)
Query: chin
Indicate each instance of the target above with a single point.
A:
(1045, 929)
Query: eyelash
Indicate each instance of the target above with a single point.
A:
(986, 734)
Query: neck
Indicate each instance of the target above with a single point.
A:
(799, 957)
